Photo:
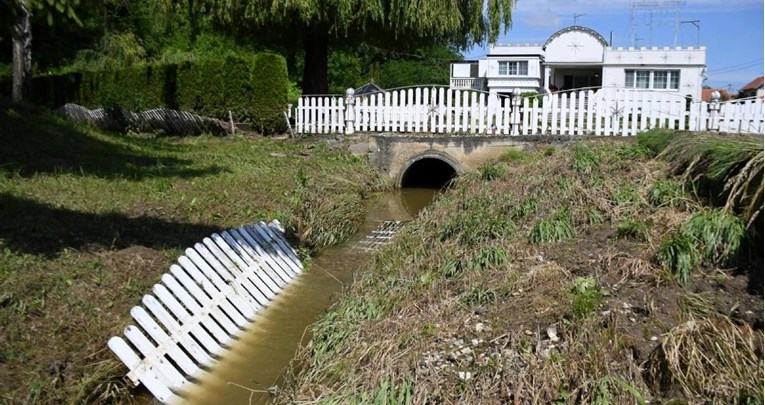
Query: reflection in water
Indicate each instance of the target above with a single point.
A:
(258, 358)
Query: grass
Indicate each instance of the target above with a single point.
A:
(90, 220)
(709, 237)
(520, 282)
(552, 230)
(710, 359)
(728, 169)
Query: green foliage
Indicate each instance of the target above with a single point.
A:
(514, 155)
(587, 296)
(585, 159)
(709, 237)
(726, 168)
(269, 92)
(524, 209)
(480, 219)
(116, 51)
(625, 194)
(253, 89)
(632, 228)
(480, 295)
(387, 393)
(344, 71)
(678, 256)
(552, 230)
(666, 193)
(400, 73)
(717, 234)
(533, 95)
(594, 216)
(655, 140)
(485, 258)
(492, 171)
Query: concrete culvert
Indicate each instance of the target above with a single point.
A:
(428, 173)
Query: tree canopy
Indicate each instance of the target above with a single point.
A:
(317, 25)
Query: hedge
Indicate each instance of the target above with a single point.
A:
(254, 89)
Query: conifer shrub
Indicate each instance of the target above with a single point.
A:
(254, 89)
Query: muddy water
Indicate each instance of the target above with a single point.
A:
(259, 357)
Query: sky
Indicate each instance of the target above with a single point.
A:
(732, 30)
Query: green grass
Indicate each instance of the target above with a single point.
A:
(90, 220)
(717, 233)
(632, 228)
(492, 171)
(711, 237)
(727, 169)
(667, 192)
(486, 252)
(679, 256)
(551, 230)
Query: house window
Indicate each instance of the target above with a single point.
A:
(652, 79)
(514, 68)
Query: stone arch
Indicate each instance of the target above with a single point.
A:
(420, 158)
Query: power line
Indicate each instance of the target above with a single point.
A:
(737, 67)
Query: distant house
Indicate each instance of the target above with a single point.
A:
(577, 57)
(706, 94)
(753, 88)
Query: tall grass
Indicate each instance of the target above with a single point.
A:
(728, 168)
(709, 237)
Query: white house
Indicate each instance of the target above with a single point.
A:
(577, 57)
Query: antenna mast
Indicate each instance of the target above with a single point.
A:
(651, 7)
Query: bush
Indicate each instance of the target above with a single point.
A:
(253, 89)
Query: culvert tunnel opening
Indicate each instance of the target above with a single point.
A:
(428, 173)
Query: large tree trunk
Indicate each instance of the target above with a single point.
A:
(315, 43)
(22, 52)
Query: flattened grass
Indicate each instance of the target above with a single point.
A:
(90, 220)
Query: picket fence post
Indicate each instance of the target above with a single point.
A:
(350, 112)
(714, 109)
(515, 120)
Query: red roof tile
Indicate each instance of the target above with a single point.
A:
(754, 84)
(706, 94)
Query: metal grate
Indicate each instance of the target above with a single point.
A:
(380, 236)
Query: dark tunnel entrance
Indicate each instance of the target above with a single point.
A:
(428, 173)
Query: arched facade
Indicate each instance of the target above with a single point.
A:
(578, 57)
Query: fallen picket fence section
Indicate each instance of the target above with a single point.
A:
(206, 300)
(159, 120)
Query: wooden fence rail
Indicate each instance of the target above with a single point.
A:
(602, 112)
(207, 299)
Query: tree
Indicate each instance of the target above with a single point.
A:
(316, 25)
(21, 36)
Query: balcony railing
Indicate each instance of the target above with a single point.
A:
(468, 83)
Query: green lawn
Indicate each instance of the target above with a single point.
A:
(90, 220)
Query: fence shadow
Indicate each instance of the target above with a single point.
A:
(34, 141)
(32, 227)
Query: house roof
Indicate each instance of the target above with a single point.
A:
(753, 85)
(576, 28)
(706, 94)
(369, 88)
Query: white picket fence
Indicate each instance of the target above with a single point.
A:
(602, 112)
(206, 300)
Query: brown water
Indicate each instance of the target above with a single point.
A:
(256, 361)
